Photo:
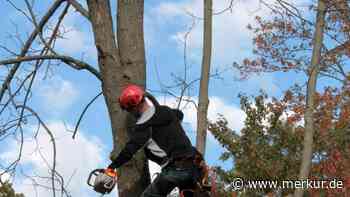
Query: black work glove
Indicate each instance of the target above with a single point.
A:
(112, 166)
(113, 155)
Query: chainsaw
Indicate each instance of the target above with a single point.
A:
(102, 180)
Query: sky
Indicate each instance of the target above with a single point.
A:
(61, 94)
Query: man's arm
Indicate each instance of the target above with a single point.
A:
(138, 139)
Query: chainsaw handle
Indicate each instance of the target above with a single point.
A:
(94, 173)
(111, 184)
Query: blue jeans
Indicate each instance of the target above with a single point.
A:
(168, 179)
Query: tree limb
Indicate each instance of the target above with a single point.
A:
(53, 171)
(340, 49)
(28, 43)
(54, 33)
(19, 10)
(74, 63)
(228, 8)
(79, 8)
(82, 114)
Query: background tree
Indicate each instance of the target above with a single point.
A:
(267, 148)
(311, 89)
(203, 101)
(6, 190)
(284, 44)
(269, 145)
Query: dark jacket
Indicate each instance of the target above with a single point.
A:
(166, 131)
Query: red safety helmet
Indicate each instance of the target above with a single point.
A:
(131, 96)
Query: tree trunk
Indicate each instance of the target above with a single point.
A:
(132, 56)
(203, 101)
(116, 72)
(311, 89)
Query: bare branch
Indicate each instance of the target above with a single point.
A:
(44, 51)
(53, 37)
(185, 59)
(19, 122)
(288, 7)
(28, 43)
(55, 30)
(229, 8)
(8, 50)
(53, 171)
(14, 164)
(60, 180)
(16, 92)
(325, 74)
(82, 114)
(340, 49)
(79, 8)
(19, 10)
(54, 34)
(76, 64)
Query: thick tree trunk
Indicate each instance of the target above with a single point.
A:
(203, 101)
(116, 72)
(132, 56)
(311, 89)
(131, 40)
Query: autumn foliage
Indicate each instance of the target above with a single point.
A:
(269, 146)
(271, 143)
(284, 41)
(6, 190)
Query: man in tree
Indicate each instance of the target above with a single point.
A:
(158, 130)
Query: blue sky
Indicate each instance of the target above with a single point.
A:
(61, 97)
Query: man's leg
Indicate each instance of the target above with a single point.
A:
(183, 179)
(160, 187)
(167, 180)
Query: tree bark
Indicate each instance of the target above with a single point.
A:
(116, 72)
(132, 55)
(203, 101)
(311, 89)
